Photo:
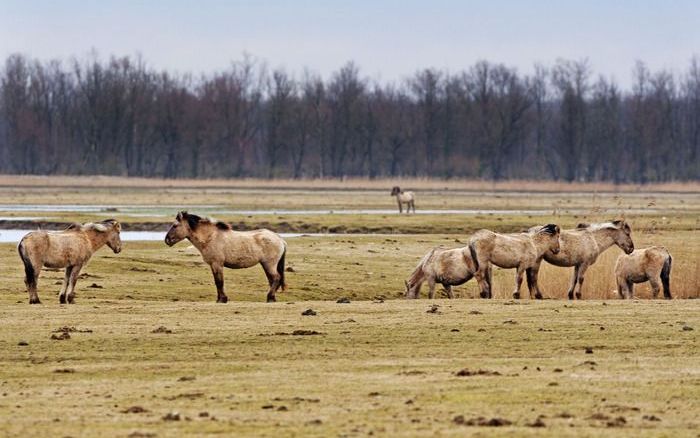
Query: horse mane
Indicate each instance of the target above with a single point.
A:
(417, 272)
(75, 226)
(551, 229)
(193, 221)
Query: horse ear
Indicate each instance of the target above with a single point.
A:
(618, 223)
(582, 225)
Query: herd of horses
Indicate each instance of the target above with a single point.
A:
(222, 247)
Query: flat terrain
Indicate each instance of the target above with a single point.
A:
(148, 352)
(385, 368)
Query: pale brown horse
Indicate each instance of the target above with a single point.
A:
(581, 247)
(70, 249)
(651, 264)
(521, 251)
(449, 267)
(221, 247)
(402, 197)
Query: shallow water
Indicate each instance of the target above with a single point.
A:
(14, 236)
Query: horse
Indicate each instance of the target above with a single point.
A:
(449, 267)
(521, 251)
(402, 197)
(651, 264)
(581, 247)
(71, 248)
(222, 247)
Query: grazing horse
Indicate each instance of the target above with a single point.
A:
(404, 198)
(221, 247)
(581, 247)
(70, 249)
(652, 264)
(521, 251)
(449, 267)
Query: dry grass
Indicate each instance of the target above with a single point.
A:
(327, 268)
(342, 184)
(387, 369)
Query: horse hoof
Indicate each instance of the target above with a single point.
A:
(571, 296)
(516, 296)
(484, 295)
(222, 300)
(578, 296)
(271, 299)
(538, 296)
(62, 299)
(34, 301)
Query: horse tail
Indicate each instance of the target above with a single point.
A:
(666, 276)
(472, 251)
(29, 271)
(280, 269)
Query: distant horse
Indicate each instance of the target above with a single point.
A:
(652, 264)
(221, 247)
(522, 251)
(449, 267)
(581, 247)
(404, 198)
(70, 249)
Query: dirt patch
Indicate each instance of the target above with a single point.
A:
(186, 396)
(71, 329)
(481, 421)
(62, 337)
(134, 410)
(309, 312)
(433, 309)
(64, 371)
(466, 372)
(162, 329)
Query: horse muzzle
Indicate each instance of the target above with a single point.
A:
(555, 251)
(169, 241)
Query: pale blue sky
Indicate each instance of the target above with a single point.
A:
(388, 39)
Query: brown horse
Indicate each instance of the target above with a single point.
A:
(402, 197)
(521, 251)
(70, 249)
(651, 264)
(581, 247)
(449, 267)
(221, 247)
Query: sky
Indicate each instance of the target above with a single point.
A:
(389, 40)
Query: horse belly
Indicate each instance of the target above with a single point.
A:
(240, 261)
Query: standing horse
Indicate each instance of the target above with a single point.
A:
(404, 198)
(221, 247)
(652, 264)
(449, 267)
(70, 249)
(581, 247)
(520, 251)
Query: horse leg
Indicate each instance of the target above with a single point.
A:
(518, 282)
(400, 207)
(630, 289)
(274, 279)
(64, 286)
(448, 289)
(32, 281)
(481, 276)
(72, 279)
(581, 272)
(431, 288)
(489, 279)
(218, 272)
(413, 205)
(655, 284)
(574, 279)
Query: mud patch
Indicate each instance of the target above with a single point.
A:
(162, 329)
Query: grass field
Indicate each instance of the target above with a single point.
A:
(366, 368)
(377, 366)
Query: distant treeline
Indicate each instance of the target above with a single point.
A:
(121, 117)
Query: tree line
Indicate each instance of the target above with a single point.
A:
(122, 117)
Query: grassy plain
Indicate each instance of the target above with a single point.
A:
(375, 366)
